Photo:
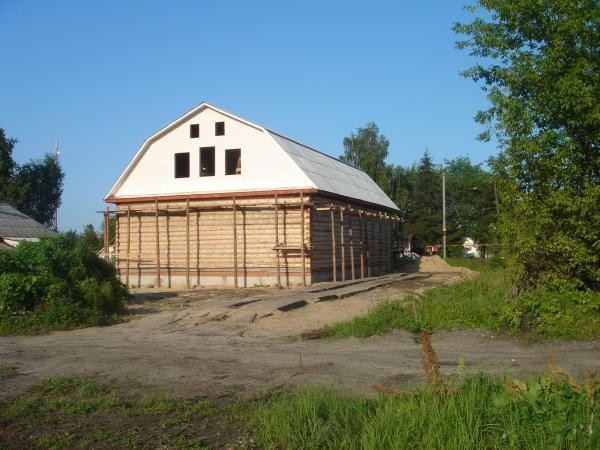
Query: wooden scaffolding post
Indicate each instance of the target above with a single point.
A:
(380, 247)
(157, 241)
(106, 249)
(372, 246)
(235, 264)
(128, 243)
(198, 247)
(389, 242)
(117, 244)
(367, 243)
(187, 242)
(351, 241)
(333, 256)
(362, 244)
(277, 242)
(302, 239)
(139, 251)
(342, 244)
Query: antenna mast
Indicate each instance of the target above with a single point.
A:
(57, 154)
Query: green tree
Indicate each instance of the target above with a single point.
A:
(41, 184)
(92, 239)
(424, 213)
(541, 71)
(367, 150)
(34, 188)
(7, 168)
(470, 202)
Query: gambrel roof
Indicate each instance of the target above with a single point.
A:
(311, 169)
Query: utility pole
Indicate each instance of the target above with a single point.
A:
(444, 212)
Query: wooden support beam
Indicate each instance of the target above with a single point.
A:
(342, 244)
(362, 244)
(278, 262)
(302, 232)
(187, 242)
(380, 247)
(367, 243)
(235, 264)
(157, 242)
(333, 256)
(105, 235)
(139, 258)
(128, 242)
(117, 246)
(351, 241)
(197, 247)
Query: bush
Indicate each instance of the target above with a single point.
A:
(57, 283)
(570, 314)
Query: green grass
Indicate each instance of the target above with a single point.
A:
(481, 413)
(79, 412)
(476, 411)
(7, 371)
(483, 302)
(468, 304)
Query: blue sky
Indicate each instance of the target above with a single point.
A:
(103, 76)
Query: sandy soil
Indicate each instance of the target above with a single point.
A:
(194, 343)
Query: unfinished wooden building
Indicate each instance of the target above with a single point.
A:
(213, 199)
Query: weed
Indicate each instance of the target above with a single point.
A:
(7, 371)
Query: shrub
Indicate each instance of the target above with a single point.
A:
(566, 314)
(57, 283)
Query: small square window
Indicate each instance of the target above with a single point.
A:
(194, 130)
(219, 128)
(233, 162)
(182, 165)
(207, 161)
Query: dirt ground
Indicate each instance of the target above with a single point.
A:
(224, 344)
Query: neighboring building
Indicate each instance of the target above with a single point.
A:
(16, 227)
(213, 199)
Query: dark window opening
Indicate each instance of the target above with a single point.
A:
(182, 165)
(219, 128)
(207, 161)
(233, 162)
(194, 130)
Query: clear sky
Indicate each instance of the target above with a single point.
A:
(104, 75)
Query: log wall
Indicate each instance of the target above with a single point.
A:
(239, 242)
(360, 244)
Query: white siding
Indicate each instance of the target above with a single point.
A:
(264, 165)
(269, 162)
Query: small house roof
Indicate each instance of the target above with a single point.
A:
(16, 225)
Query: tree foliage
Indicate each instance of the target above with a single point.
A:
(541, 73)
(470, 201)
(368, 149)
(417, 190)
(35, 188)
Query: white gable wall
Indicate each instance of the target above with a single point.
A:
(264, 165)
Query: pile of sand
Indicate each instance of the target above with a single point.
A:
(435, 264)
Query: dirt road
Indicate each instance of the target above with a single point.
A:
(224, 344)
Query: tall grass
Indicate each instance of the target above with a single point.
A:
(484, 412)
(468, 304)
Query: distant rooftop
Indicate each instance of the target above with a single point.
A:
(16, 225)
